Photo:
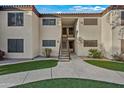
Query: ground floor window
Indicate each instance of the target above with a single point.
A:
(15, 45)
(49, 43)
(90, 43)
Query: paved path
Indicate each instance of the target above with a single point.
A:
(74, 69)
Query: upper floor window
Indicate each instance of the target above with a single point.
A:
(15, 19)
(49, 21)
(90, 21)
(122, 18)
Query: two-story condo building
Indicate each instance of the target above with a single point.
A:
(25, 33)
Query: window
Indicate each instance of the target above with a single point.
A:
(90, 43)
(15, 19)
(90, 22)
(49, 43)
(122, 18)
(64, 31)
(49, 21)
(15, 45)
(71, 32)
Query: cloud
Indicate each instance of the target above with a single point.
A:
(98, 8)
(86, 8)
(58, 12)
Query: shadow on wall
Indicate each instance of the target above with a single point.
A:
(109, 52)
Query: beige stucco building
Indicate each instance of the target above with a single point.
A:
(25, 33)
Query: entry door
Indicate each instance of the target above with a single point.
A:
(122, 46)
(71, 46)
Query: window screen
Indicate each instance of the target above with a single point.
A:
(15, 19)
(90, 22)
(49, 22)
(90, 43)
(15, 45)
(49, 43)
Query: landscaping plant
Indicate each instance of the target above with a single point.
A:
(118, 57)
(2, 54)
(48, 52)
(95, 53)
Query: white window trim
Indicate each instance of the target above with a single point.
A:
(15, 18)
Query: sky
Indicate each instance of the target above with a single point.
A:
(71, 8)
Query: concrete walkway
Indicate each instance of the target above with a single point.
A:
(74, 69)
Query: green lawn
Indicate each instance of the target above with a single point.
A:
(69, 83)
(26, 66)
(107, 64)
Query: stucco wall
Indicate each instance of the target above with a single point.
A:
(116, 41)
(16, 32)
(111, 40)
(88, 32)
(76, 36)
(106, 35)
(35, 35)
(50, 33)
(116, 35)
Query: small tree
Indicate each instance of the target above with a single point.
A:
(47, 52)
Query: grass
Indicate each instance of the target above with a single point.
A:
(69, 83)
(26, 66)
(107, 64)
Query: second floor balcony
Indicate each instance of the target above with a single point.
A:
(68, 32)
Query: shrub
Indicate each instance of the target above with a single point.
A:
(2, 54)
(47, 52)
(118, 57)
(95, 53)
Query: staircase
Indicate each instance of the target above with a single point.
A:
(64, 54)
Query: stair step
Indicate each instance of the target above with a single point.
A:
(64, 50)
(64, 53)
(64, 57)
(67, 54)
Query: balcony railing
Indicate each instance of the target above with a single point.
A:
(70, 35)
